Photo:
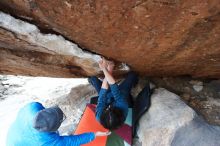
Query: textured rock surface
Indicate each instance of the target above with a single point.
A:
(205, 102)
(170, 122)
(25, 50)
(154, 37)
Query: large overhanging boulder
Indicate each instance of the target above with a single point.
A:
(154, 37)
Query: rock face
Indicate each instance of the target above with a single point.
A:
(205, 102)
(34, 53)
(154, 37)
(170, 122)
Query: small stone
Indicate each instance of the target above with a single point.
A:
(152, 86)
(186, 97)
(1, 87)
(193, 97)
(186, 89)
(195, 82)
(197, 88)
(197, 85)
(6, 86)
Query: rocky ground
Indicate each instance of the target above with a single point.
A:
(167, 119)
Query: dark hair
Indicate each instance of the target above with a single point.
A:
(112, 118)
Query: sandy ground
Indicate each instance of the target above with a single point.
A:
(20, 90)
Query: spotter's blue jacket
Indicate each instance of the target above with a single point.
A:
(22, 133)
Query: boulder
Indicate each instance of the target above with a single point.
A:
(154, 37)
(170, 122)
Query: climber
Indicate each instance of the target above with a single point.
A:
(112, 107)
(36, 125)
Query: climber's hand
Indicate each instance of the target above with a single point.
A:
(110, 66)
(103, 64)
(99, 133)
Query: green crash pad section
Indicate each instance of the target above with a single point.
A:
(114, 140)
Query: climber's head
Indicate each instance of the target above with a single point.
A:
(112, 117)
